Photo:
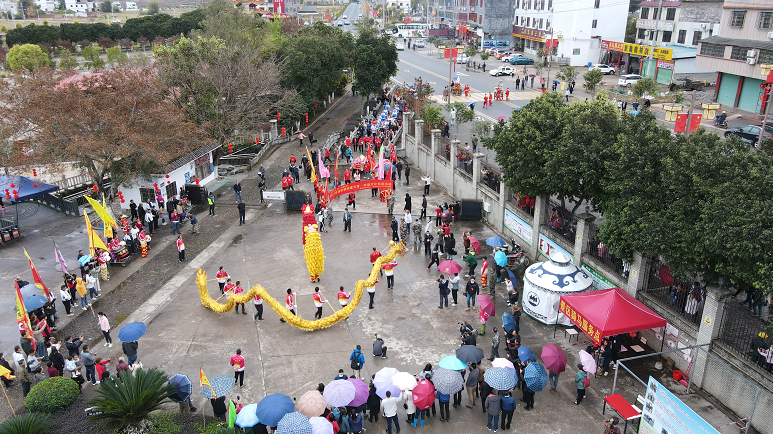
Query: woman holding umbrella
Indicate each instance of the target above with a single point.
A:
(579, 379)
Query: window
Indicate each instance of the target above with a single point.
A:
(682, 36)
(766, 56)
(547, 24)
(766, 20)
(737, 18)
(652, 34)
(667, 36)
(596, 4)
(540, 23)
(738, 53)
(696, 36)
(670, 14)
(528, 21)
(712, 50)
(642, 34)
(517, 4)
(171, 189)
(645, 13)
(147, 193)
(593, 25)
(203, 168)
(654, 13)
(550, 4)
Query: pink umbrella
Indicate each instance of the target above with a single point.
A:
(588, 362)
(423, 395)
(503, 363)
(553, 358)
(475, 244)
(486, 305)
(449, 267)
(501, 118)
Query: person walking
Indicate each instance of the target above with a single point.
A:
(238, 290)
(290, 303)
(389, 407)
(371, 293)
(347, 220)
(443, 290)
(258, 302)
(494, 345)
(427, 181)
(194, 222)
(221, 277)
(493, 408)
(237, 361)
(357, 361)
(471, 291)
(417, 236)
(428, 242)
(180, 248)
(472, 262)
(104, 325)
(343, 297)
(508, 407)
(472, 384)
(395, 228)
(319, 303)
(242, 212)
(211, 203)
(580, 379)
(435, 256)
(25, 377)
(407, 174)
(130, 349)
(237, 192)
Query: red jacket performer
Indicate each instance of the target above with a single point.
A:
(221, 277)
(375, 254)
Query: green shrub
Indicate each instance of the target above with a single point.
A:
(52, 394)
(30, 423)
(163, 423)
(211, 428)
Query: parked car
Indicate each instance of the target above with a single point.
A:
(340, 24)
(400, 46)
(629, 79)
(522, 61)
(750, 134)
(462, 58)
(501, 54)
(502, 70)
(419, 43)
(606, 69)
(347, 22)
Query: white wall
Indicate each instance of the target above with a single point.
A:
(177, 175)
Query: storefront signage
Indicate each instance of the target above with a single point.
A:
(637, 50)
(527, 33)
(547, 246)
(274, 195)
(665, 64)
(612, 46)
(518, 226)
(599, 281)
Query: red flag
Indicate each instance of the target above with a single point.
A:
(36, 277)
(22, 319)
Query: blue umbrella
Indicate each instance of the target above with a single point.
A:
(535, 376)
(293, 423)
(182, 387)
(34, 302)
(500, 258)
(452, 363)
(222, 384)
(512, 278)
(508, 323)
(246, 418)
(499, 378)
(132, 331)
(28, 291)
(447, 381)
(272, 408)
(495, 242)
(526, 354)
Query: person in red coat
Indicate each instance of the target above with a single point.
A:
(375, 254)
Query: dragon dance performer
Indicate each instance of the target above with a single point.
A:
(221, 277)
(309, 218)
(144, 240)
(103, 257)
(484, 273)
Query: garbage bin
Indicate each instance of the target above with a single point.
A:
(710, 109)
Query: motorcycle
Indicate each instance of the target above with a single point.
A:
(518, 257)
(721, 123)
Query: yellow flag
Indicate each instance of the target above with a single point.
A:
(101, 212)
(205, 382)
(313, 173)
(108, 228)
(94, 241)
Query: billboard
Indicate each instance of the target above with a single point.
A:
(518, 226)
(664, 413)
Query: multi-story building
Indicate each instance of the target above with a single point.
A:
(492, 16)
(739, 53)
(402, 5)
(574, 28)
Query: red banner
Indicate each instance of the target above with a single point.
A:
(451, 52)
(361, 185)
(681, 122)
(583, 324)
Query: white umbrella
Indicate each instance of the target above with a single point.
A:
(588, 362)
(320, 425)
(383, 382)
(404, 381)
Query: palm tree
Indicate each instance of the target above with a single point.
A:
(126, 403)
(29, 423)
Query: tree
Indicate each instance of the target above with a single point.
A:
(432, 115)
(28, 423)
(227, 89)
(116, 55)
(470, 51)
(62, 5)
(567, 73)
(106, 6)
(645, 86)
(484, 56)
(592, 79)
(630, 29)
(153, 7)
(375, 61)
(67, 61)
(27, 56)
(92, 58)
(128, 402)
(464, 114)
(115, 123)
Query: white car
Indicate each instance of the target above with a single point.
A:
(344, 17)
(629, 79)
(400, 46)
(419, 43)
(606, 69)
(462, 58)
(502, 70)
(347, 22)
(511, 57)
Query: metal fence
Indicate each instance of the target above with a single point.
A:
(66, 206)
(464, 161)
(562, 222)
(525, 202)
(741, 331)
(602, 253)
(491, 178)
(679, 295)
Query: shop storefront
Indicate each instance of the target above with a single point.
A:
(634, 59)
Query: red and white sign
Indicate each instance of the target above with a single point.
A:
(665, 64)
(279, 7)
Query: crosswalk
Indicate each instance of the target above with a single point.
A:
(477, 97)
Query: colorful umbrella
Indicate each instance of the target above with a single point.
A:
(383, 382)
(475, 244)
(246, 417)
(526, 354)
(34, 302)
(339, 393)
(500, 258)
(447, 381)
(499, 378)
(449, 267)
(508, 323)
(292, 423)
(423, 395)
(361, 392)
(486, 305)
(320, 425)
(495, 242)
(553, 358)
(298, 132)
(452, 363)
(469, 354)
(502, 363)
(132, 331)
(311, 404)
(588, 362)
(535, 376)
(182, 387)
(404, 381)
(501, 118)
(222, 384)
(273, 408)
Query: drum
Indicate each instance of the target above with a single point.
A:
(121, 253)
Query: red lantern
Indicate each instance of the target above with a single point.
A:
(278, 116)
(96, 188)
(283, 131)
(15, 192)
(122, 201)
(307, 117)
(7, 196)
(13, 185)
(167, 176)
(230, 148)
(34, 172)
(315, 105)
(197, 181)
(257, 140)
(168, 182)
(120, 193)
(632, 334)
(35, 184)
(155, 184)
(15, 196)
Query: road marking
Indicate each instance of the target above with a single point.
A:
(462, 74)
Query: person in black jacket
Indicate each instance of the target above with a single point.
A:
(130, 349)
(73, 345)
(407, 174)
(218, 407)
(374, 403)
(423, 207)
(395, 227)
(407, 202)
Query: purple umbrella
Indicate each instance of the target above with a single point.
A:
(339, 393)
(361, 392)
(554, 358)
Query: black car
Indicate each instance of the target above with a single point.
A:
(750, 134)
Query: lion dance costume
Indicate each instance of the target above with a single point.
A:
(309, 218)
(144, 240)
(312, 250)
(484, 274)
(103, 258)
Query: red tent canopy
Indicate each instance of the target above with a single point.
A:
(608, 312)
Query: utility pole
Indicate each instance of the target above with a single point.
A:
(450, 67)
(549, 58)
(687, 126)
(765, 118)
